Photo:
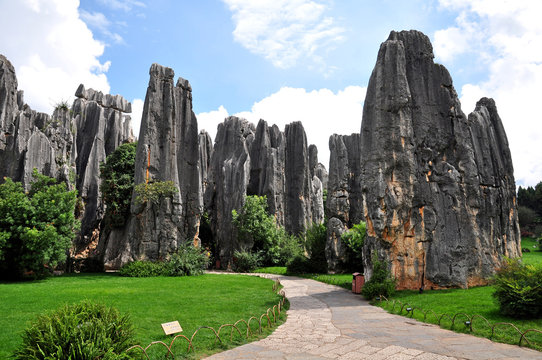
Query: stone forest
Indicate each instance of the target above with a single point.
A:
(434, 186)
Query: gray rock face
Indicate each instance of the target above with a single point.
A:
(438, 191)
(167, 150)
(205, 144)
(101, 127)
(322, 174)
(30, 139)
(344, 193)
(228, 180)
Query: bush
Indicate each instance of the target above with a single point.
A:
(79, 331)
(300, 264)
(117, 175)
(245, 261)
(518, 290)
(155, 191)
(353, 239)
(381, 283)
(256, 227)
(143, 268)
(36, 227)
(315, 244)
(187, 261)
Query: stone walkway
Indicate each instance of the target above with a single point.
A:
(328, 322)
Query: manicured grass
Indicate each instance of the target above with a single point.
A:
(277, 270)
(207, 300)
(342, 280)
(534, 257)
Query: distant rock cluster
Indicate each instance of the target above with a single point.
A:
(435, 187)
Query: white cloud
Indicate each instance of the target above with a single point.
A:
(99, 22)
(124, 5)
(53, 52)
(284, 31)
(137, 112)
(506, 36)
(322, 112)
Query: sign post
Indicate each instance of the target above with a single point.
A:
(172, 327)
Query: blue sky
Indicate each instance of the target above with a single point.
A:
(281, 60)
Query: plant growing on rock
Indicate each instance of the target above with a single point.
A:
(117, 175)
(154, 192)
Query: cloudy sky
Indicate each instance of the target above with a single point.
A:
(280, 60)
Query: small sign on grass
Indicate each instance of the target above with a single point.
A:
(172, 327)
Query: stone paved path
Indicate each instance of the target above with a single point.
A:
(328, 322)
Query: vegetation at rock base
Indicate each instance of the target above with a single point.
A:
(246, 261)
(381, 282)
(255, 226)
(188, 260)
(518, 290)
(207, 300)
(36, 227)
(353, 238)
(85, 330)
(117, 176)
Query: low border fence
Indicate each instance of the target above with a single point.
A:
(268, 318)
(464, 318)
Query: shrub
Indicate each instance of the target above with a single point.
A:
(256, 227)
(143, 268)
(518, 290)
(79, 331)
(315, 244)
(353, 239)
(36, 228)
(245, 261)
(381, 282)
(117, 175)
(187, 261)
(300, 264)
(154, 192)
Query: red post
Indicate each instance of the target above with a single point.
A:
(357, 282)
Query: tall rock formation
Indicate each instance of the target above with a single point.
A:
(31, 139)
(344, 194)
(438, 190)
(205, 144)
(167, 150)
(228, 180)
(261, 160)
(101, 125)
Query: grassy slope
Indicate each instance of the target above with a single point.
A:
(209, 300)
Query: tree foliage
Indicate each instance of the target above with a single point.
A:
(381, 282)
(36, 228)
(256, 227)
(117, 175)
(530, 210)
(154, 192)
(353, 238)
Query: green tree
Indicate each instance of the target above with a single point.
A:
(117, 175)
(255, 226)
(154, 192)
(315, 245)
(353, 239)
(36, 228)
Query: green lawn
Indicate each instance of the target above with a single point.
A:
(207, 300)
(472, 301)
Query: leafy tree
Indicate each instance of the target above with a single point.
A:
(36, 228)
(255, 226)
(315, 245)
(117, 175)
(353, 239)
(381, 282)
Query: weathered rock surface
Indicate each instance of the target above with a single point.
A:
(101, 126)
(438, 190)
(344, 194)
(266, 162)
(167, 150)
(228, 180)
(31, 139)
(205, 144)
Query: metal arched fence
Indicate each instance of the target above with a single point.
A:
(268, 319)
(467, 320)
